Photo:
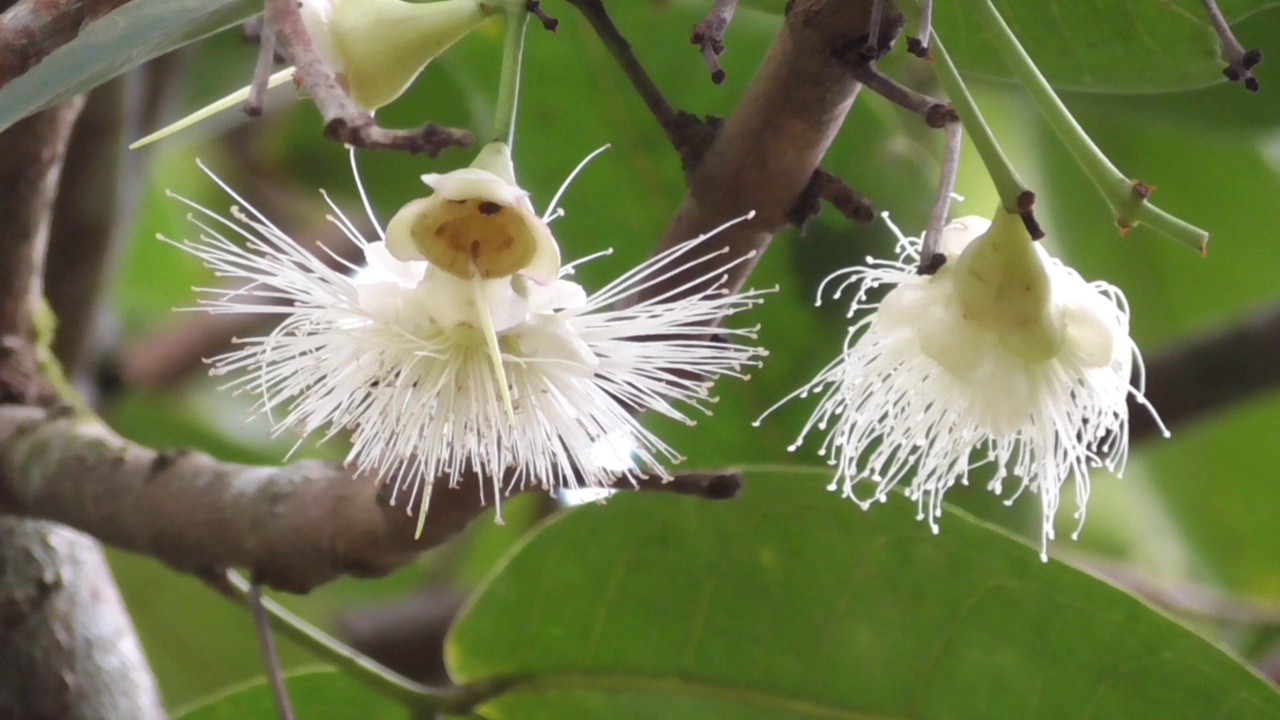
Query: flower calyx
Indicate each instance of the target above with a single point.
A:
(378, 47)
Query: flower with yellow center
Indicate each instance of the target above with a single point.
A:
(461, 348)
(1004, 356)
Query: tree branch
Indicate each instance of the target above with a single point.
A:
(294, 527)
(343, 121)
(766, 152)
(1206, 374)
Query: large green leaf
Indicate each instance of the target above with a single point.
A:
(315, 695)
(1118, 46)
(1122, 46)
(791, 603)
(125, 38)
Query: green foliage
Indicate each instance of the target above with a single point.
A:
(790, 603)
(316, 695)
(126, 38)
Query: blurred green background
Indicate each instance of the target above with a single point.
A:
(1202, 507)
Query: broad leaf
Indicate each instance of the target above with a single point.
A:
(1124, 46)
(315, 695)
(125, 38)
(792, 603)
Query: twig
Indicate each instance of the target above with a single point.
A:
(359, 666)
(262, 69)
(871, 49)
(343, 121)
(923, 105)
(31, 29)
(919, 46)
(1208, 374)
(709, 35)
(270, 658)
(1240, 63)
(931, 260)
(620, 49)
(549, 23)
(825, 186)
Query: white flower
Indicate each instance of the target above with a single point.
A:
(377, 47)
(416, 358)
(1004, 356)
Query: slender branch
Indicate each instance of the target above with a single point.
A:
(1210, 373)
(620, 49)
(708, 35)
(267, 37)
(385, 680)
(919, 45)
(931, 260)
(31, 29)
(825, 186)
(270, 658)
(1240, 62)
(764, 155)
(343, 121)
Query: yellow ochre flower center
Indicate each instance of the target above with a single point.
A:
(465, 237)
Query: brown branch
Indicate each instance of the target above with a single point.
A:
(262, 69)
(31, 29)
(1207, 374)
(825, 186)
(85, 235)
(709, 35)
(67, 644)
(31, 155)
(673, 123)
(343, 121)
(294, 527)
(765, 154)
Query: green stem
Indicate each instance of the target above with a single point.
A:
(351, 661)
(1130, 207)
(504, 120)
(1012, 190)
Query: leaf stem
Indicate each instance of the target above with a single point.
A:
(504, 120)
(343, 657)
(1128, 199)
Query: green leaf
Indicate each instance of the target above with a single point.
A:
(791, 603)
(1125, 46)
(314, 694)
(125, 38)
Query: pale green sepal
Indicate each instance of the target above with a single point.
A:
(384, 44)
(236, 98)
(1002, 282)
